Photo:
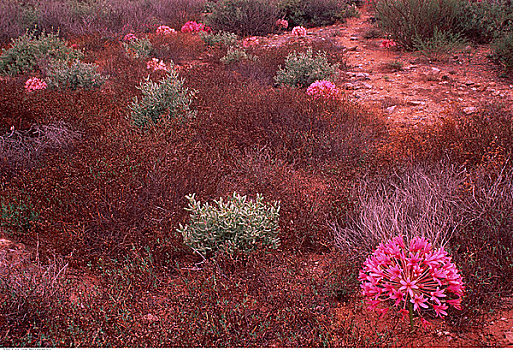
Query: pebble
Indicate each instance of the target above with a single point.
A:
(509, 337)
(367, 86)
(416, 103)
(353, 38)
(391, 109)
(435, 70)
(469, 110)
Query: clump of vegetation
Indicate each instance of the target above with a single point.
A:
(439, 45)
(167, 99)
(236, 54)
(503, 50)
(138, 48)
(30, 49)
(243, 17)
(302, 69)
(232, 225)
(314, 13)
(222, 38)
(74, 75)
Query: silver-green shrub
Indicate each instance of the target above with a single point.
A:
(236, 54)
(302, 69)
(138, 48)
(221, 38)
(74, 75)
(232, 225)
(166, 99)
(28, 50)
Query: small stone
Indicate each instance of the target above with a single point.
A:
(469, 82)
(416, 103)
(504, 319)
(509, 337)
(435, 70)
(391, 109)
(469, 110)
(353, 38)
(352, 48)
(367, 86)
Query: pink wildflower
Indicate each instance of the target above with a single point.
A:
(299, 31)
(326, 89)
(74, 46)
(411, 275)
(154, 64)
(165, 30)
(388, 43)
(250, 41)
(194, 27)
(282, 23)
(129, 37)
(34, 84)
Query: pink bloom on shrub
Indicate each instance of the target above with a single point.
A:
(165, 30)
(194, 27)
(250, 41)
(156, 64)
(388, 43)
(322, 88)
(129, 37)
(411, 274)
(282, 23)
(299, 31)
(74, 46)
(35, 84)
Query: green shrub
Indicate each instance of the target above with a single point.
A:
(74, 75)
(412, 20)
(243, 17)
(236, 54)
(503, 50)
(166, 99)
(439, 45)
(314, 13)
(302, 69)
(138, 48)
(29, 50)
(17, 214)
(222, 38)
(234, 225)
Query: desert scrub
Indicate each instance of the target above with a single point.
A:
(440, 45)
(74, 75)
(232, 225)
(243, 17)
(235, 55)
(503, 50)
(315, 13)
(138, 48)
(222, 38)
(166, 99)
(302, 69)
(29, 49)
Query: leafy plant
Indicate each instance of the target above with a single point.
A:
(503, 50)
(302, 69)
(166, 99)
(221, 38)
(243, 17)
(439, 45)
(313, 13)
(74, 75)
(232, 225)
(138, 48)
(17, 214)
(29, 50)
(236, 54)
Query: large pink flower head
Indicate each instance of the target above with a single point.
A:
(165, 30)
(250, 41)
(34, 84)
(155, 64)
(322, 88)
(413, 274)
(282, 23)
(388, 43)
(299, 31)
(194, 27)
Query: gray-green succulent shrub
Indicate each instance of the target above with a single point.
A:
(234, 225)
(74, 75)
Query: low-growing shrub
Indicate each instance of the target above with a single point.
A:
(29, 50)
(503, 50)
(302, 69)
(439, 45)
(138, 48)
(236, 54)
(232, 225)
(74, 75)
(222, 38)
(243, 17)
(411, 20)
(314, 13)
(166, 99)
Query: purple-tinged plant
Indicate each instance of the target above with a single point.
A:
(412, 277)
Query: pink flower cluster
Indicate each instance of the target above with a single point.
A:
(322, 88)
(129, 37)
(165, 30)
(299, 31)
(155, 64)
(388, 43)
(34, 84)
(250, 41)
(194, 27)
(282, 23)
(413, 274)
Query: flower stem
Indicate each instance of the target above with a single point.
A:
(410, 309)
